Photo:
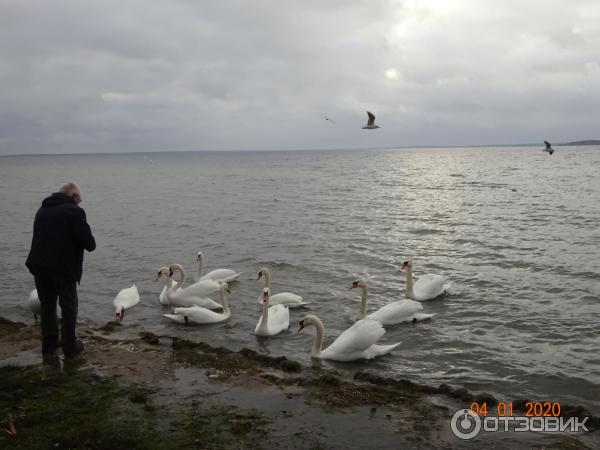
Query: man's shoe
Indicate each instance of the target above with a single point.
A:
(77, 349)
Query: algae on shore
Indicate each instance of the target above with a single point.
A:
(77, 409)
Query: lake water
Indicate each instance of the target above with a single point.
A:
(514, 229)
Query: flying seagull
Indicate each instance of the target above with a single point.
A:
(331, 120)
(548, 148)
(371, 123)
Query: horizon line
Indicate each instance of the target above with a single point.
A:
(274, 150)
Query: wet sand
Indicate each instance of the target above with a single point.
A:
(217, 398)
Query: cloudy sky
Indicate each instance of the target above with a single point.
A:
(89, 76)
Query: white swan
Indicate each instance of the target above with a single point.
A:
(33, 303)
(357, 342)
(226, 275)
(164, 272)
(193, 295)
(125, 299)
(274, 319)
(196, 314)
(392, 313)
(428, 286)
(284, 298)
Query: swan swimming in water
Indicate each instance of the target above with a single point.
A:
(164, 272)
(193, 295)
(274, 319)
(125, 299)
(219, 275)
(357, 342)
(427, 287)
(393, 313)
(196, 314)
(181, 301)
(283, 298)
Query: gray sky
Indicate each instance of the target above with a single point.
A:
(88, 76)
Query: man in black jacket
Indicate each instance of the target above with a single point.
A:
(60, 234)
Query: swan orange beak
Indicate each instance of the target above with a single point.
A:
(404, 265)
(354, 285)
(300, 327)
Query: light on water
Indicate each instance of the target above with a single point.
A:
(513, 229)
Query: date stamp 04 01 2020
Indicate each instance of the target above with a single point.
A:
(532, 416)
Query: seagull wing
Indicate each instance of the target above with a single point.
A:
(371, 118)
(547, 145)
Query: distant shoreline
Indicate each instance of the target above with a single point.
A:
(586, 142)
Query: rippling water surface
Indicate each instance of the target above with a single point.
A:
(514, 229)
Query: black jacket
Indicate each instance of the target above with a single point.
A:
(60, 234)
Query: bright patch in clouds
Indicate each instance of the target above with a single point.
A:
(391, 74)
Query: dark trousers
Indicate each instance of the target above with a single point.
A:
(53, 286)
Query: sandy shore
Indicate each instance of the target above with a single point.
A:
(198, 396)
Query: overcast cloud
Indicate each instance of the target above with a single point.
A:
(89, 76)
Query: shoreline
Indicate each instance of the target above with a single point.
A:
(275, 402)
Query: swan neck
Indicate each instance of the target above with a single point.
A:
(224, 301)
(409, 283)
(264, 319)
(317, 345)
(179, 269)
(200, 267)
(363, 302)
(267, 274)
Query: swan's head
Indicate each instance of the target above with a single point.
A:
(266, 293)
(307, 321)
(225, 287)
(406, 264)
(200, 256)
(262, 272)
(164, 270)
(359, 284)
(175, 268)
(119, 313)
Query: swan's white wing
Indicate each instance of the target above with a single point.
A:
(197, 314)
(355, 339)
(226, 275)
(127, 298)
(202, 288)
(279, 318)
(379, 350)
(284, 298)
(175, 317)
(181, 301)
(397, 312)
(429, 286)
